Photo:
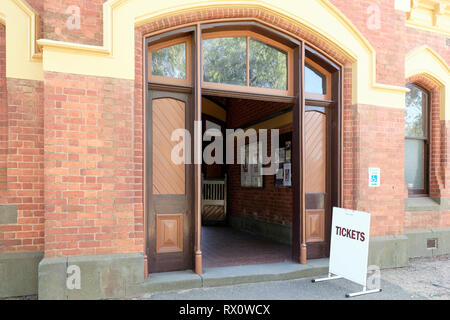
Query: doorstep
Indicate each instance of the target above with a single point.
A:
(224, 276)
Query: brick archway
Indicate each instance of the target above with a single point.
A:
(229, 14)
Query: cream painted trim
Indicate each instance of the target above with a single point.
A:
(427, 62)
(423, 27)
(116, 57)
(23, 58)
(430, 15)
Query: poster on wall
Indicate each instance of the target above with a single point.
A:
(288, 151)
(283, 177)
(251, 173)
(287, 174)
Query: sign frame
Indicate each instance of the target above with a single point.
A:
(349, 248)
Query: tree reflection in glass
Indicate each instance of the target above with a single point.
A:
(413, 114)
(224, 60)
(268, 66)
(170, 62)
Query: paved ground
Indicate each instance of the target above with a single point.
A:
(426, 278)
(225, 246)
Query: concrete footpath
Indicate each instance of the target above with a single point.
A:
(426, 278)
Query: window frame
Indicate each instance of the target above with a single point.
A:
(326, 73)
(187, 81)
(426, 103)
(247, 88)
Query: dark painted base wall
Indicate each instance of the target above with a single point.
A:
(19, 273)
(118, 275)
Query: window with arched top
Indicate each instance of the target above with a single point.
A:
(416, 140)
(246, 61)
(169, 62)
(317, 81)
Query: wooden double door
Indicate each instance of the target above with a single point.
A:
(170, 185)
(318, 177)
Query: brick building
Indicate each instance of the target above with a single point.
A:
(90, 91)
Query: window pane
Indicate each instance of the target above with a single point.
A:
(170, 62)
(414, 163)
(315, 82)
(224, 60)
(414, 113)
(268, 66)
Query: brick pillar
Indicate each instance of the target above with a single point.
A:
(3, 109)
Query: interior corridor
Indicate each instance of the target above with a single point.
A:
(224, 246)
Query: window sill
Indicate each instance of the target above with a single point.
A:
(416, 204)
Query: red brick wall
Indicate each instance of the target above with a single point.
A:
(417, 38)
(91, 21)
(94, 136)
(388, 41)
(92, 193)
(427, 220)
(269, 204)
(373, 137)
(3, 109)
(393, 39)
(25, 167)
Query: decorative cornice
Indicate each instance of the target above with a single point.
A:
(430, 15)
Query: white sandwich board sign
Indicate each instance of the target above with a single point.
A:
(349, 248)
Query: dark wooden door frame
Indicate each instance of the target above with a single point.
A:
(334, 181)
(186, 257)
(298, 212)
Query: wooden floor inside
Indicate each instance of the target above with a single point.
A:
(224, 246)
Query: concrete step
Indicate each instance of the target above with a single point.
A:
(224, 276)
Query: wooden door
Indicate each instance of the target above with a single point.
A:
(169, 185)
(317, 182)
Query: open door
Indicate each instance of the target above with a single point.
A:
(317, 182)
(170, 185)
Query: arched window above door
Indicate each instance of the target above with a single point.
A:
(317, 81)
(246, 61)
(169, 62)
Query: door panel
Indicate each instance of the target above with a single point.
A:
(169, 233)
(316, 183)
(170, 205)
(168, 114)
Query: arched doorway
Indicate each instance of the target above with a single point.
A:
(249, 61)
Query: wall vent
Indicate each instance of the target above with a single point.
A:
(432, 243)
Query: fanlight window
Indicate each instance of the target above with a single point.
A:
(169, 62)
(268, 66)
(250, 61)
(224, 60)
(315, 81)
(237, 60)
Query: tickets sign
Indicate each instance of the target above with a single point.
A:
(350, 244)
